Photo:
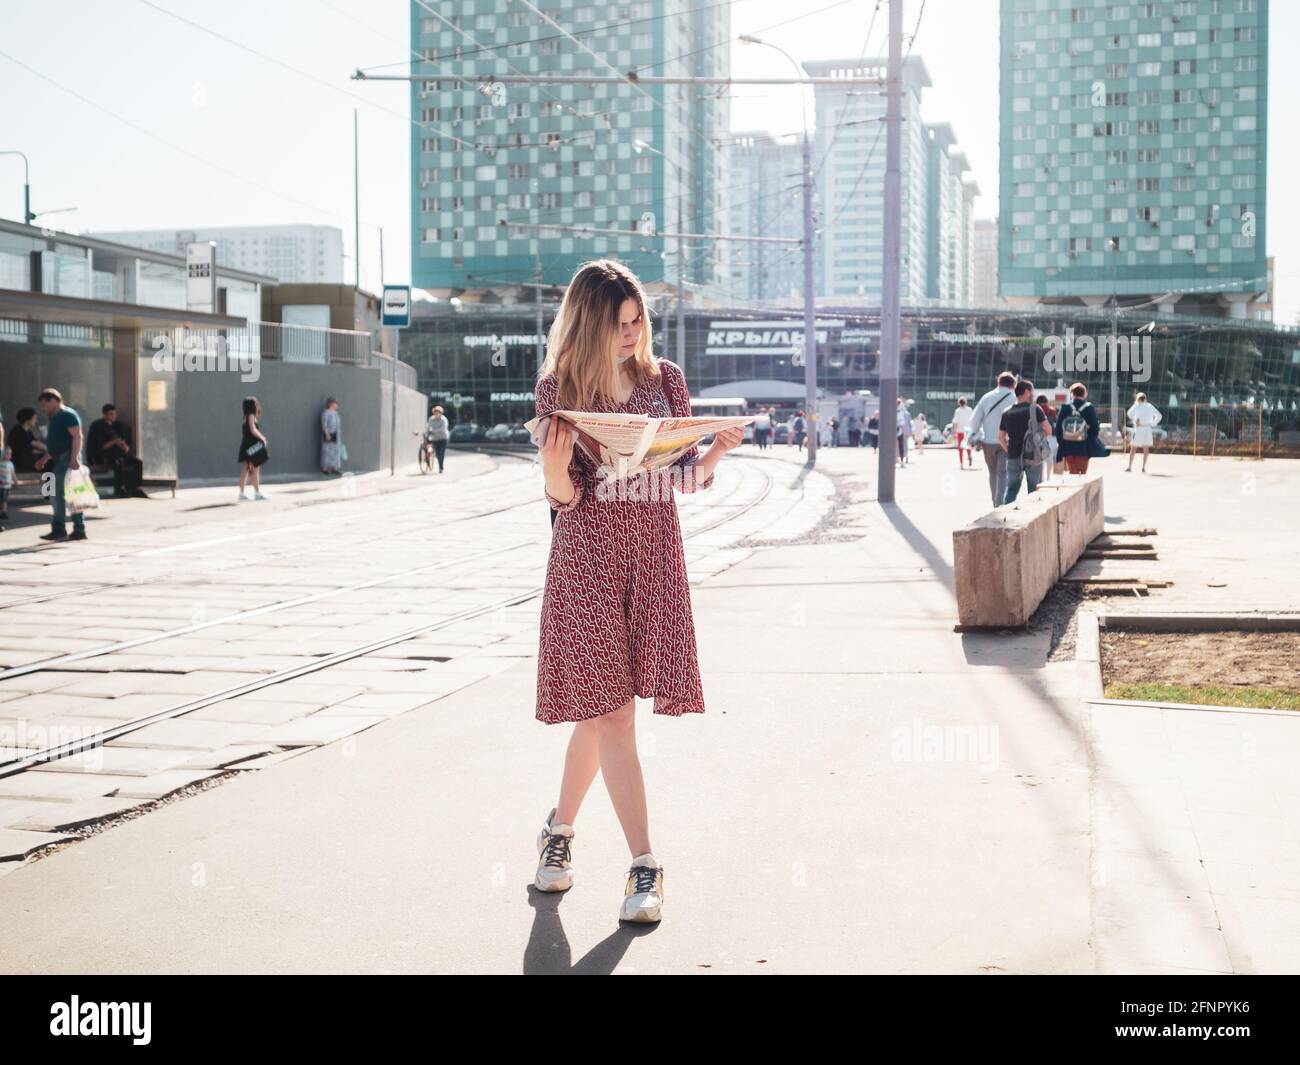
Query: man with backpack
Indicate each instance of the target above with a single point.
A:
(985, 424)
(1078, 431)
(1023, 437)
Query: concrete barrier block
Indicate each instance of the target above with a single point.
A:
(1007, 561)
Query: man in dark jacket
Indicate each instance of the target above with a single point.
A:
(108, 444)
(1077, 452)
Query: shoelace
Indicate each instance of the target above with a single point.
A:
(556, 851)
(644, 878)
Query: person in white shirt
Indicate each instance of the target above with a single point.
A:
(762, 426)
(986, 422)
(1144, 418)
(962, 419)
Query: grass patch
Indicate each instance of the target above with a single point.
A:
(1256, 698)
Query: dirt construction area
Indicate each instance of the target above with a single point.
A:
(1203, 659)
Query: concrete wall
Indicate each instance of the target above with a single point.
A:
(292, 395)
(1007, 561)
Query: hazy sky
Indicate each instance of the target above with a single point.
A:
(215, 135)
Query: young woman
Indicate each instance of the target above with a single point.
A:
(249, 450)
(436, 432)
(1078, 431)
(1144, 417)
(616, 614)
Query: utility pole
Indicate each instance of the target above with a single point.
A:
(28, 217)
(356, 201)
(809, 305)
(537, 292)
(890, 325)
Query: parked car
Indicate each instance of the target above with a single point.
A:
(935, 435)
(498, 434)
(466, 432)
(520, 435)
(781, 434)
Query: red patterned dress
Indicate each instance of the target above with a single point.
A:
(616, 614)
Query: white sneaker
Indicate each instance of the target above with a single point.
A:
(258, 496)
(643, 899)
(244, 498)
(554, 867)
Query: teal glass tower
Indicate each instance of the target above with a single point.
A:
(1133, 154)
(485, 151)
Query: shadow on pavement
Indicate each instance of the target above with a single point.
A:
(548, 952)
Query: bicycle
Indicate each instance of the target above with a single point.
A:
(426, 454)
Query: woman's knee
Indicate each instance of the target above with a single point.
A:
(620, 720)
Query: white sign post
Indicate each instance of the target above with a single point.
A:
(395, 313)
(201, 276)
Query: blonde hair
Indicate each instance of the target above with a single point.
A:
(585, 336)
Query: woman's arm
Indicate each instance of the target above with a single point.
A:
(697, 471)
(251, 419)
(560, 467)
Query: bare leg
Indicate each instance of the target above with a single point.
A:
(257, 478)
(581, 761)
(243, 477)
(622, 772)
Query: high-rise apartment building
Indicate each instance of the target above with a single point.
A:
(849, 159)
(482, 152)
(764, 199)
(1133, 152)
(292, 254)
(984, 290)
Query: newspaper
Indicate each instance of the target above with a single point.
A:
(624, 445)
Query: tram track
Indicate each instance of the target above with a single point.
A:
(80, 744)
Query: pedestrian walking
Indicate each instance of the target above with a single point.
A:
(331, 438)
(63, 444)
(616, 613)
(798, 430)
(987, 421)
(904, 432)
(252, 450)
(6, 482)
(1052, 443)
(1078, 431)
(855, 431)
(962, 419)
(437, 432)
(919, 429)
(834, 425)
(873, 431)
(1144, 417)
(762, 426)
(1022, 434)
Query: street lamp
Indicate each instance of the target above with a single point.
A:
(809, 300)
(640, 146)
(27, 187)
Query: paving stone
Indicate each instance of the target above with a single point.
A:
(46, 704)
(185, 735)
(14, 810)
(59, 787)
(312, 689)
(17, 844)
(111, 685)
(120, 761)
(233, 756)
(42, 732)
(387, 702)
(253, 710)
(62, 816)
(201, 682)
(316, 730)
(165, 783)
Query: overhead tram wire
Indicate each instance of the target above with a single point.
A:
(460, 53)
(867, 161)
(219, 167)
(839, 122)
(301, 73)
(564, 104)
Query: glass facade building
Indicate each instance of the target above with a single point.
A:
(481, 363)
(1133, 157)
(563, 154)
